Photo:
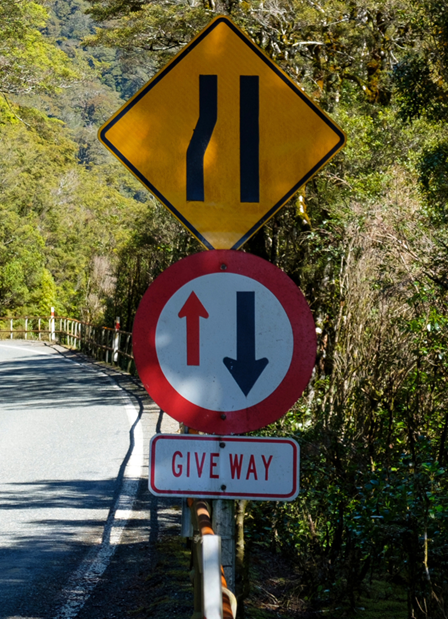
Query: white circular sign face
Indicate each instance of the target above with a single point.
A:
(224, 342)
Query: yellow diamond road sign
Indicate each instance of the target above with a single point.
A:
(222, 136)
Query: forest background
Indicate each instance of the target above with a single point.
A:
(366, 241)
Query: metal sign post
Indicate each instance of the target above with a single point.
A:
(223, 523)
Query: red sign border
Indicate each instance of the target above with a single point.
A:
(293, 302)
(228, 439)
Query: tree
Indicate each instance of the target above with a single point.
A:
(29, 62)
(366, 242)
(421, 77)
(324, 45)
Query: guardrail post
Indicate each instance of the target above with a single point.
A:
(11, 323)
(102, 345)
(26, 327)
(116, 344)
(52, 334)
(211, 577)
(128, 339)
(186, 527)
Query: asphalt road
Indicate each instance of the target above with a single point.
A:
(65, 441)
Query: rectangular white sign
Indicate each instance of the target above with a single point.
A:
(233, 467)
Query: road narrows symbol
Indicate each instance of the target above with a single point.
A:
(249, 137)
(208, 113)
(245, 369)
(192, 310)
(223, 144)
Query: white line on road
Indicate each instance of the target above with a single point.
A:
(83, 580)
(27, 349)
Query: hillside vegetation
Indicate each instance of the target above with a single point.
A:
(367, 244)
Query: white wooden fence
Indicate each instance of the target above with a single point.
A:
(112, 345)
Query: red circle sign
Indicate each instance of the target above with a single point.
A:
(224, 342)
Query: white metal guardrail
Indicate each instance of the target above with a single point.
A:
(112, 345)
(25, 327)
(211, 577)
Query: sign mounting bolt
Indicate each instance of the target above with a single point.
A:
(223, 416)
(223, 487)
(222, 444)
(223, 267)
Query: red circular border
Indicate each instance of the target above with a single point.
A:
(292, 301)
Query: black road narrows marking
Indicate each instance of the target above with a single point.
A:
(208, 114)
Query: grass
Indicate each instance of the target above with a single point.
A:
(276, 594)
(168, 591)
(383, 600)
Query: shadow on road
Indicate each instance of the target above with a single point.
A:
(21, 383)
(49, 527)
(57, 546)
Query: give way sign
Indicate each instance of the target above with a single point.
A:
(224, 342)
(231, 467)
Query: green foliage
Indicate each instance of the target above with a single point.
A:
(60, 221)
(157, 241)
(22, 270)
(433, 168)
(366, 241)
(421, 76)
(67, 210)
(373, 425)
(29, 61)
(328, 46)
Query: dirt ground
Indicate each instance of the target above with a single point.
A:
(148, 574)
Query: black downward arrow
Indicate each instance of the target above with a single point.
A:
(245, 369)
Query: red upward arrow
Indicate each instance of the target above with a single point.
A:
(192, 311)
